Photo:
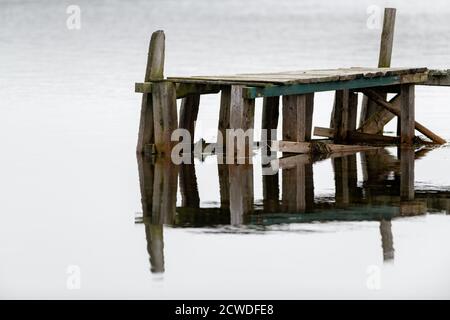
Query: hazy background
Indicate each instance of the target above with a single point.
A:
(68, 126)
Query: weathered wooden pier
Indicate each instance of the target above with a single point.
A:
(238, 93)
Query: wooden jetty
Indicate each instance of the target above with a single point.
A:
(238, 93)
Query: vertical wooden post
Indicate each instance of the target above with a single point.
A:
(224, 115)
(344, 114)
(154, 71)
(165, 116)
(270, 114)
(242, 115)
(188, 114)
(407, 122)
(241, 192)
(384, 60)
(297, 117)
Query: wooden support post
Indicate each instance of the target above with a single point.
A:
(189, 113)
(368, 108)
(165, 116)
(297, 117)
(344, 114)
(241, 192)
(240, 143)
(407, 114)
(224, 115)
(188, 185)
(270, 114)
(154, 71)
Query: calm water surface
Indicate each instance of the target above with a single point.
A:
(72, 186)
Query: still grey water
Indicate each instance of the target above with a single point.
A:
(71, 198)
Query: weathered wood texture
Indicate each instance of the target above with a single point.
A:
(165, 116)
(373, 95)
(356, 136)
(297, 117)
(188, 185)
(188, 114)
(298, 77)
(375, 123)
(346, 104)
(368, 108)
(407, 173)
(154, 71)
(224, 114)
(407, 114)
(438, 78)
(242, 113)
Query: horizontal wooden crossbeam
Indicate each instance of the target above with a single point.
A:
(283, 90)
(183, 89)
(318, 147)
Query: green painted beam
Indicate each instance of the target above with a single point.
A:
(274, 91)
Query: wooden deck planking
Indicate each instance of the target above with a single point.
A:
(299, 77)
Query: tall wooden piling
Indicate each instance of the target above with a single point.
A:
(224, 115)
(270, 115)
(368, 108)
(407, 122)
(154, 71)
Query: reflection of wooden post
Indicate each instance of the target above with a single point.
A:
(224, 185)
(271, 192)
(155, 246)
(346, 179)
(406, 174)
(298, 188)
(241, 192)
(154, 71)
(188, 185)
(158, 184)
(164, 192)
(387, 239)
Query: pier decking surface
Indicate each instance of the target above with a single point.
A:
(300, 76)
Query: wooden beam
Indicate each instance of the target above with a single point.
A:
(154, 71)
(224, 114)
(376, 122)
(316, 147)
(438, 78)
(373, 95)
(344, 114)
(283, 90)
(355, 136)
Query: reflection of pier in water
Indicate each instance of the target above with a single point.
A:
(387, 191)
